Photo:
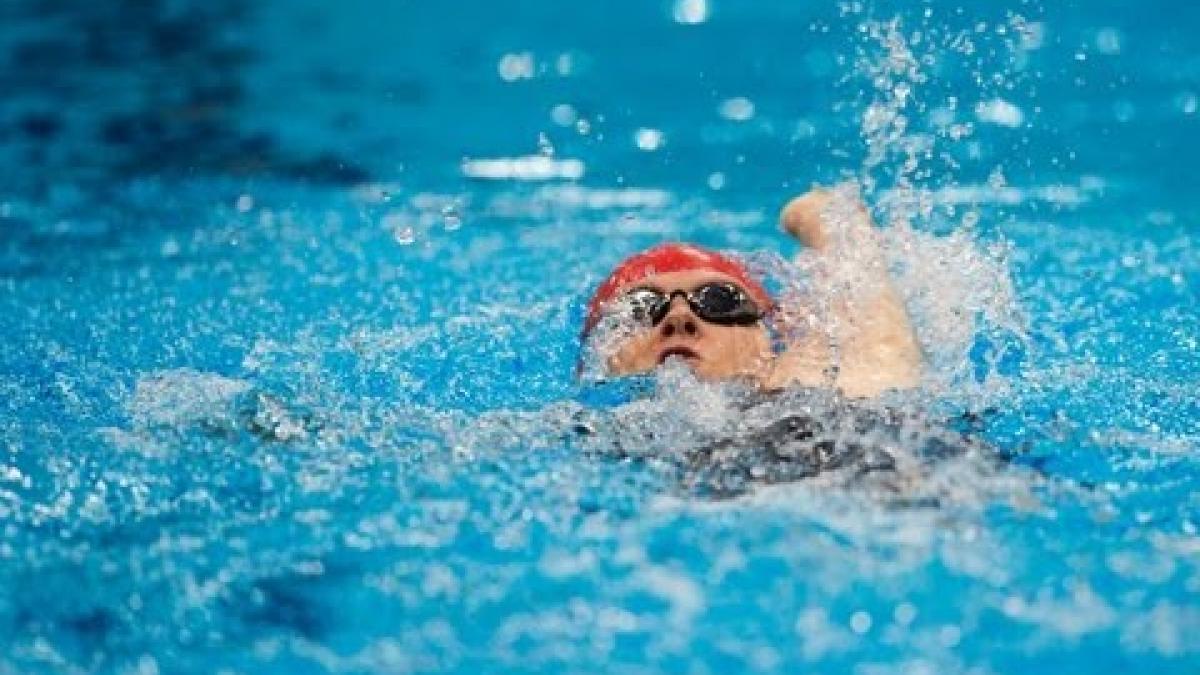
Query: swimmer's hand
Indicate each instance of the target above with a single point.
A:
(801, 218)
(865, 342)
(823, 219)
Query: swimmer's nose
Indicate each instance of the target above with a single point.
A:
(679, 322)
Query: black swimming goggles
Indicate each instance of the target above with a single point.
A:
(720, 303)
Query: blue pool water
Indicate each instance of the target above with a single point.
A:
(291, 296)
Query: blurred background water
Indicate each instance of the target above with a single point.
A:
(291, 295)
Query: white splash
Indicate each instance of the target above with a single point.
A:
(182, 396)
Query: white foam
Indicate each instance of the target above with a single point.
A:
(182, 396)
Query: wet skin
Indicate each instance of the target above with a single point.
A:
(712, 351)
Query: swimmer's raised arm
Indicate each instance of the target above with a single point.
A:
(857, 335)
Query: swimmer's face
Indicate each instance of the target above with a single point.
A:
(713, 351)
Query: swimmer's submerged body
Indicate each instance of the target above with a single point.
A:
(752, 437)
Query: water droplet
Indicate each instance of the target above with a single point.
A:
(860, 622)
(563, 114)
(1188, 103)
(904, 613)
(515, 66)
(996, 179)
(545, 147)
(451, 220)
(738, 109)
(648, 140)
(957, 132)
(404, 235)
(690, 12)
(1108, 41)
(400, 225)
(1124, 111)
(564, 64)
(244, 203)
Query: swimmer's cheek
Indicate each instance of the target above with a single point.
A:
(626, 362)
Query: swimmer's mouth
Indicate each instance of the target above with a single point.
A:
(683, 352)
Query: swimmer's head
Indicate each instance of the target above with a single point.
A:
(685, 302)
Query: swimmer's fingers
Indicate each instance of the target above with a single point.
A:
(821, 217)
(801, 218)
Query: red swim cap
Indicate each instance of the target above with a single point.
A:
(671, 258)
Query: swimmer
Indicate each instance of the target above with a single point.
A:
(702, 307)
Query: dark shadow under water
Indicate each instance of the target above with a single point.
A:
(100, 92)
